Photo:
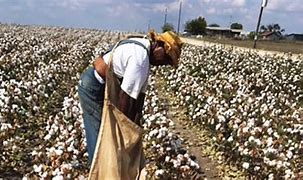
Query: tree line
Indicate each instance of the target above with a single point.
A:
(198, 26)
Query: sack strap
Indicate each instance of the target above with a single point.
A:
(125, 41)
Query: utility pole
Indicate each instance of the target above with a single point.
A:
(148, 25)
(179, 16)
(230, 20)
(165, 16)
(264, 3)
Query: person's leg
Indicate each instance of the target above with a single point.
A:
(91, 95)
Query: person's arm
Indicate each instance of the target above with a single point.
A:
(131, 107)
(139, 106)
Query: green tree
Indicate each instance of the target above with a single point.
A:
(167, 27)
(196, 26)
(214, 25)
(236, 26)
(272, 28)
(251, 35)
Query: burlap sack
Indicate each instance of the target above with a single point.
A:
(118, 153)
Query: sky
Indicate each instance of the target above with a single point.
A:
(138, 15)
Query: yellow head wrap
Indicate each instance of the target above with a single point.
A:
(172, 44)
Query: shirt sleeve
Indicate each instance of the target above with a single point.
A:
(134, 79)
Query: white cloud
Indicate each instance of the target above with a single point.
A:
(211, 11)
(285, 5)
(238, 3)
(224, 3)
(160, 7)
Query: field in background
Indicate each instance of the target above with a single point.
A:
(280, 46)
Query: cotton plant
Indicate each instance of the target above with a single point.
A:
(164, 149)
(40, 115)
(250, 102)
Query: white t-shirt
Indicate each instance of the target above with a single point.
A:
(130, 62)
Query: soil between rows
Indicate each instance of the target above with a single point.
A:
(197, 141)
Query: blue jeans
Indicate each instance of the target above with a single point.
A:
(91, 95)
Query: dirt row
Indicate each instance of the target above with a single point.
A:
(198, 141)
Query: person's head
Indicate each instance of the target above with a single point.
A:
(165, 48)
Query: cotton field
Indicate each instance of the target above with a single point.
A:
(41, 125)
(252, 105)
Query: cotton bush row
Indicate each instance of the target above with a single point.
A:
(164, 149)
(252, 104)
(41, 133)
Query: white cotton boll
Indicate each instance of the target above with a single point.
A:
(269, 141)
(34, 153)
(70, 148)
(245, 129)
(258, 141)
(5, 143)
(245, 165)
(272, 163)
(38, 168)
(176, 163)
(271, 176)
(180, 156)
(35, 108)
(251, 139)
(152, 117)
(167, 159)
(218, 126)
(266, 123)
(269, 131)
(257, 168)
(221, 118)
(153, 132)
(276, 135)
(279, 164)
(288, 173)
(171, 123)
(2, 103)
(230, 139)
(159, 172)
(289, 154)
(145, 116)
(160, 135)
(59, 152)
(47, 137)
(286, 164)
(14, 106)
(5, 126)
(45, 174)
(245, 151)
(81, 177)
(75, 109)
(58, 177)
(70, 127)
